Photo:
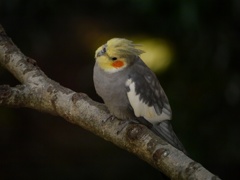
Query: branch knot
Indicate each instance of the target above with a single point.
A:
(5, 92)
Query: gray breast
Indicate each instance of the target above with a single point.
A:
(111, 88)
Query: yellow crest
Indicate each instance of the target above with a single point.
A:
(113, 56)
(119, 47)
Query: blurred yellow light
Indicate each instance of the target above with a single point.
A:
(158, 54)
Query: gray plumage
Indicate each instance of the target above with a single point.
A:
(115, 90)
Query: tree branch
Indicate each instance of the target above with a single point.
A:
(39, 92)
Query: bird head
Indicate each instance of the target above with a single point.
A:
(116, 54)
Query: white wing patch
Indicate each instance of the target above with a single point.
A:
(141, 109)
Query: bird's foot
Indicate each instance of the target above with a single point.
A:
(123, 123)
(110, 118)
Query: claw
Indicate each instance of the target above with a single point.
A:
(124, 123)
(110, 118)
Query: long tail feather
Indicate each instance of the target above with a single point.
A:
(165, 131)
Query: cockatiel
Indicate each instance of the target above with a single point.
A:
(130, 90)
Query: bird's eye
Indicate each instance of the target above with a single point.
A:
(104, 50)
(114, 58)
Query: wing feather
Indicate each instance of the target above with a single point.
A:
(146, 95)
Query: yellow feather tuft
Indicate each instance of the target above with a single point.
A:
(121, 47)
(118, 48)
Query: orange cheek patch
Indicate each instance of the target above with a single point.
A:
(118, 64)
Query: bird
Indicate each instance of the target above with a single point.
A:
(130, 89)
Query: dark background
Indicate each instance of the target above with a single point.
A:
(202, 83)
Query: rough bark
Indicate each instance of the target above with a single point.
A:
(39, 92)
